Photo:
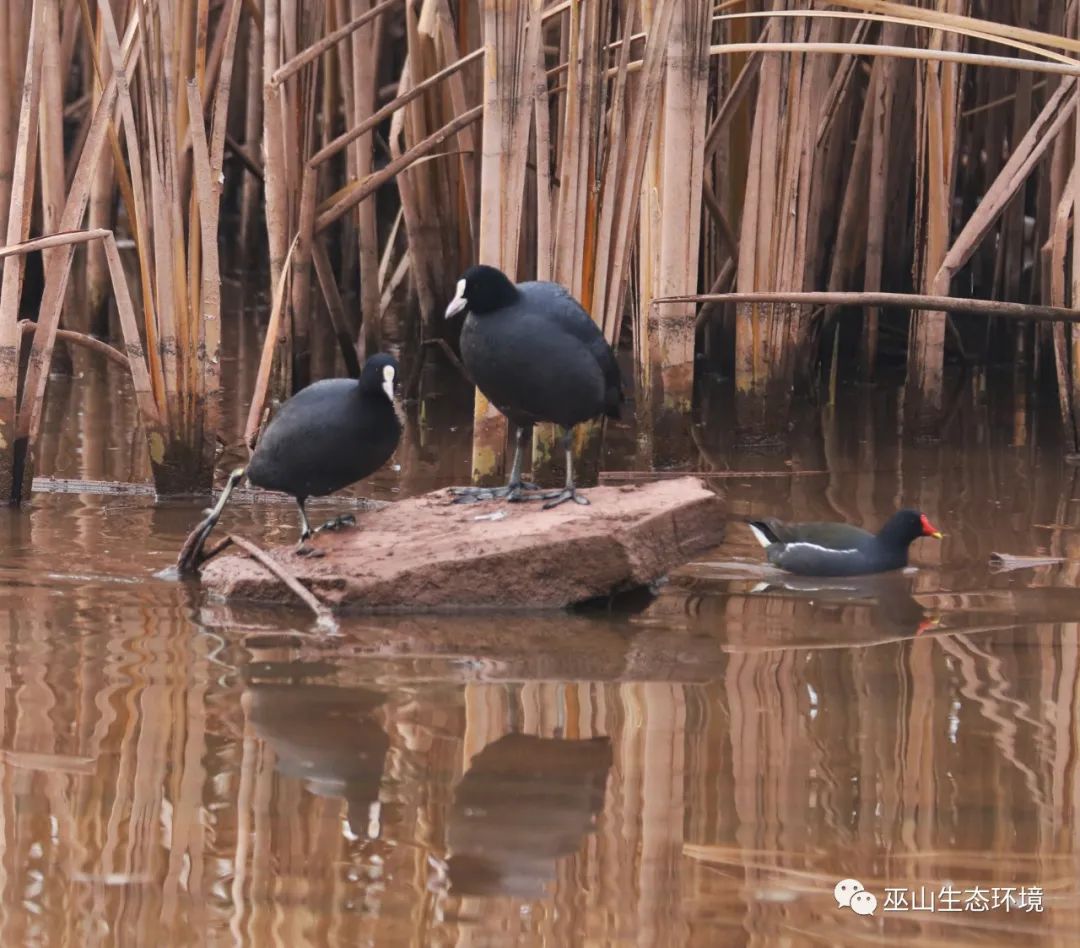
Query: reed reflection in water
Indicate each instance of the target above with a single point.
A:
(700, 772)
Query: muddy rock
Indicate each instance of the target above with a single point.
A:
(427, 554)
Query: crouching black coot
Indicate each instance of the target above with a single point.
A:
(839, 549)
(327, 436)
(537, 356)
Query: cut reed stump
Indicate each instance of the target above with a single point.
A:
(426, 554)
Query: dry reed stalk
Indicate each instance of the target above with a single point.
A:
(300, 97)
(339, 204)
(936, 117)
(468, 202)
(253, 120)
(8, 84)
(365, 70)
(972, 30)
(18, 225)
(882, 92)
(336, 310)
(935, 16)
(916, 301)
(331, 39)
(511, 50)
(1062, 198)
(670, 227)
(101, 196)
(275, 184)
(149, 409)
(210, 196)
(1011, 242)
(51, 127)
(1073, 189)
(905, 52)
(346, 138)
(273, 332)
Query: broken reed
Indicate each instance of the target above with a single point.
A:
(635, 151)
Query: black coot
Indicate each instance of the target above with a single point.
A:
(329, 435)
(839, 549)
(537, 356)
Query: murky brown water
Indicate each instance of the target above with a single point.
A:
(700, 772)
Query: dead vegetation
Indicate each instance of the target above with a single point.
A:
(655, 156)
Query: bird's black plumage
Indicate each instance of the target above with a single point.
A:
(840, 549)
(326, 437)
(534, 352)
(330, 435)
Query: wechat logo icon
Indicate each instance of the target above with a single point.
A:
(849, 893)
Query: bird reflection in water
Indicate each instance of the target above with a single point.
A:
(896, 611)
(524, 803)
(327, 737)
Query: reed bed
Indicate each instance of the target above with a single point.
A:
(655, 156)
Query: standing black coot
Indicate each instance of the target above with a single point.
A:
(329, 435)
(839, 549)
(537, 356)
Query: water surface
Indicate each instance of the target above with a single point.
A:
(699, 771)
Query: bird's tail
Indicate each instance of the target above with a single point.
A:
(613, 401)
(191, 552)
(763, 533)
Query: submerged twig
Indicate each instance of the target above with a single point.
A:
(191, 555)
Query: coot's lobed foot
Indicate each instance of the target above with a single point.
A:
(563, 496)
(338, 523)
(521, 493)
(472, 495)
(515, 493)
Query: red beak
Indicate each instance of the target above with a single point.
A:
(928, 529)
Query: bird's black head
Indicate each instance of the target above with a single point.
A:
(482, 289)
(906, 526)
(378, 375)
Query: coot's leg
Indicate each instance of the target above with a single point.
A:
(305, 527)
(515, 487)
(568, 492)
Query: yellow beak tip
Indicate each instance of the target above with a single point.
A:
(938, 536)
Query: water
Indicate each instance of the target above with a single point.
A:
(701, 771)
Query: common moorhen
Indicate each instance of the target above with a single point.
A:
(839, 549)
(537, 355)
